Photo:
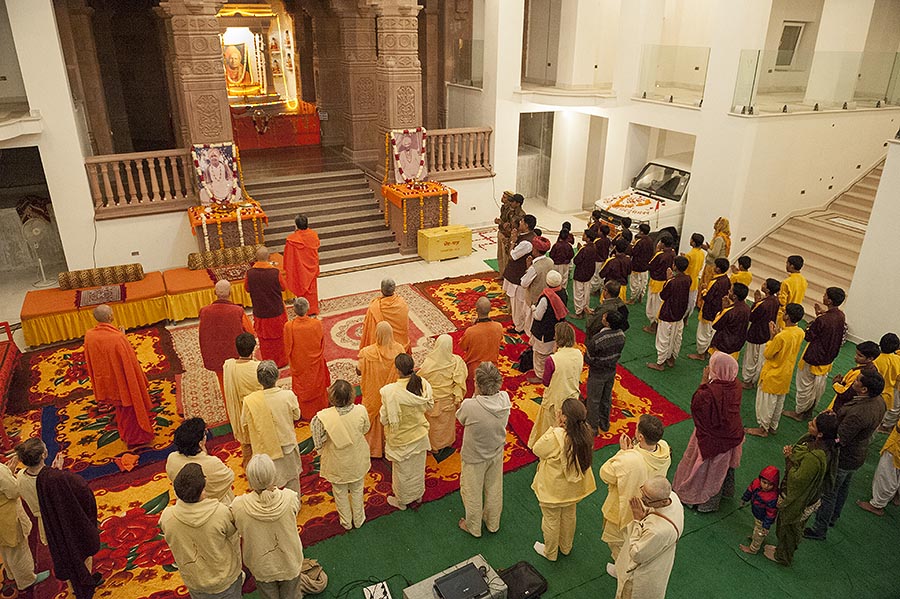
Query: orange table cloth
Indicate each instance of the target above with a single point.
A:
(396, 193)
(50, 315)
(252, 232)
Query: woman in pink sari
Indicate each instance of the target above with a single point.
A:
(706, 471)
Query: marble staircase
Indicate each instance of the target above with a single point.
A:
(829, 241)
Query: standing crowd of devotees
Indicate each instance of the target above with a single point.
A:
(406, 413)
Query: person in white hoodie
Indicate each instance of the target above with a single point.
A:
(647, 455)
(203, 538)
(190, 445)
(266, 517)
(484, 419)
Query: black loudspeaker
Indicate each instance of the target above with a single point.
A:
(523, 581)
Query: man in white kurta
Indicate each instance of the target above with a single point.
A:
(646, 559)
(239, 379)
(14, 530)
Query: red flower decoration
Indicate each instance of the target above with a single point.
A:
(154, 553)
(131, 529)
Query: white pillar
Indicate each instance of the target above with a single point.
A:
(843, 29)
(44, 74)
(871, 305)
(578, 41)
(571, 132)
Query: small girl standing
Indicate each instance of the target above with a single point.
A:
(763, 497)
(562, 253)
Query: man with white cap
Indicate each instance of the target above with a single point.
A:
(549, 309)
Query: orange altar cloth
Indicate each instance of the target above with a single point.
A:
(51, 315)
(225, 229)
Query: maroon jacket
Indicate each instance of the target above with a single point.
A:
(264, 287)
(641, 252)
(562, 252)
(716, 410)
(731, 329)
(617, 268)
(69, 511)
(674, 297)
(585, 263)
(603, 244)
(220, 324)
(712, 299)
(761, 314)
(660, 264)
(825, 336)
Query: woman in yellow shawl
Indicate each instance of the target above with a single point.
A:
(719, 247)
(446, 373)
(376, 365)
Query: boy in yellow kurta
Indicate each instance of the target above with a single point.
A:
(888, 365)
(339, 435)
(842, 385)
(793, 288)
(740, 272)
(780, 356)
(696, 257)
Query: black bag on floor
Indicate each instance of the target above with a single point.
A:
(523, 581)
(526, 360)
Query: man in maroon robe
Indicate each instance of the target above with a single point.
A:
(265, 283)
(220, 324)
(69, 512)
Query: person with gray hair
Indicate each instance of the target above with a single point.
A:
(269, 416)
(266, 517)
(390, 308)
(484, 419)
(645, 561)
(304, 345)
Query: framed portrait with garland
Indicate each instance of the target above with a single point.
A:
(408, 148)
(217, 175)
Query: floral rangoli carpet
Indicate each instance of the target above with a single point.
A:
(132, 488)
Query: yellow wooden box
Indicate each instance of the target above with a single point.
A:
(440, 243)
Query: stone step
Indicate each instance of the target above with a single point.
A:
(303, 189)
(868, 184)
(858, 198)
(336, 224)
(343, 254)
(817, 267)
(786, 242)
(370, 226)
(302, 178)
(317, 209)
(331, 197)
(818, 224)
(851, 211)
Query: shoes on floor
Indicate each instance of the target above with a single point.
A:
(394, 502)
(812, 535)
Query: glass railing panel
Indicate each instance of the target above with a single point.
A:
(675, 74)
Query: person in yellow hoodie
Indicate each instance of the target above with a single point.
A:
(888, 365)
(403, 406)
(339, 435)
(266, 517)
(647, 455)
(564, 477)
(190, 445)
(562, 378)
(203, 538)
(15, 527)
(239, 380)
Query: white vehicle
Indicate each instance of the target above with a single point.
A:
(657, 196)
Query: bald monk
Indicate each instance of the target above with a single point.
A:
(118, 379)
(301, 263)
(304, 344)
(220, 324)
(481, 341)
(389, 308)
(265, 283)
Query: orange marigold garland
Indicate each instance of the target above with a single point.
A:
(404, 216)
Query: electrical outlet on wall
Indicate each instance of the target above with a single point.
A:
(136, 253)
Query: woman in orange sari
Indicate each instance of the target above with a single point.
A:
(719, 247)
(376, 365)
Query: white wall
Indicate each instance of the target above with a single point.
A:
(479, 201)
(871, 305)
(164, 241)
(464, 106)
(13, 89)
(795, 78)
(596, 154)
(568, 160)
(882, 43)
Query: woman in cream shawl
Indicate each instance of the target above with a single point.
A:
(376, 365)
(446, 372)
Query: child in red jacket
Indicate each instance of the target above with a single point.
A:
(763, 497)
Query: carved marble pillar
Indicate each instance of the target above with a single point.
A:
(398, 70)
(331, 97)
(362, 141)
(199, 75)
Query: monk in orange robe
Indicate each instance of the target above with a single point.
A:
(220, 324)
(388, 308)
(301, 263)
(265, 283)
(304, 344)
(376, 365)
(481, 342)
(118, 379)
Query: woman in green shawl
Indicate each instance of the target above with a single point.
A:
(810, 465)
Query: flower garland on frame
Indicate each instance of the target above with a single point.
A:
(422, 152)
(218, 204)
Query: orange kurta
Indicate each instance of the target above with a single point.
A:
(393, 310)
(304, 345)
(118, 379)
(376, 365)
(480, 343)
(301, 265)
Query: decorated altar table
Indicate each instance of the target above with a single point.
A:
(242, 224)
(409, 207)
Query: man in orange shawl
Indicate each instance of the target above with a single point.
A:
(481, 341)
(376, 365)
(304, 344)
(220, 324)
(388, 308)
(301, 263)
(265, 283)
(118, 379)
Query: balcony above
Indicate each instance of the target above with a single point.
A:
(558, 95)
(17, 120)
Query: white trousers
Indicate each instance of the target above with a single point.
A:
(348, 498)
(768, 409)
(520, 309)
(886, 481)
(582, 292)
(596, 281)
(692, 302)
(668, 340)
(809, 388)
(654, 303)
(892, 416)
(705, 334)
(637, 282)
(563, 270)
(408, 478)
(481, 490)
(19, 564)
(539, 360)
(753, 361)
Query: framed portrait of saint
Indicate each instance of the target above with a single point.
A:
(409, 155)
(217, 174)
(237, 65)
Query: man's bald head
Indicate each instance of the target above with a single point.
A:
(223, 289)
(103, 313)
(483, 307)
(387, 287)
(262, 254)
(657, 488)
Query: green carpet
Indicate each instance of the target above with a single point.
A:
(855, 561)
